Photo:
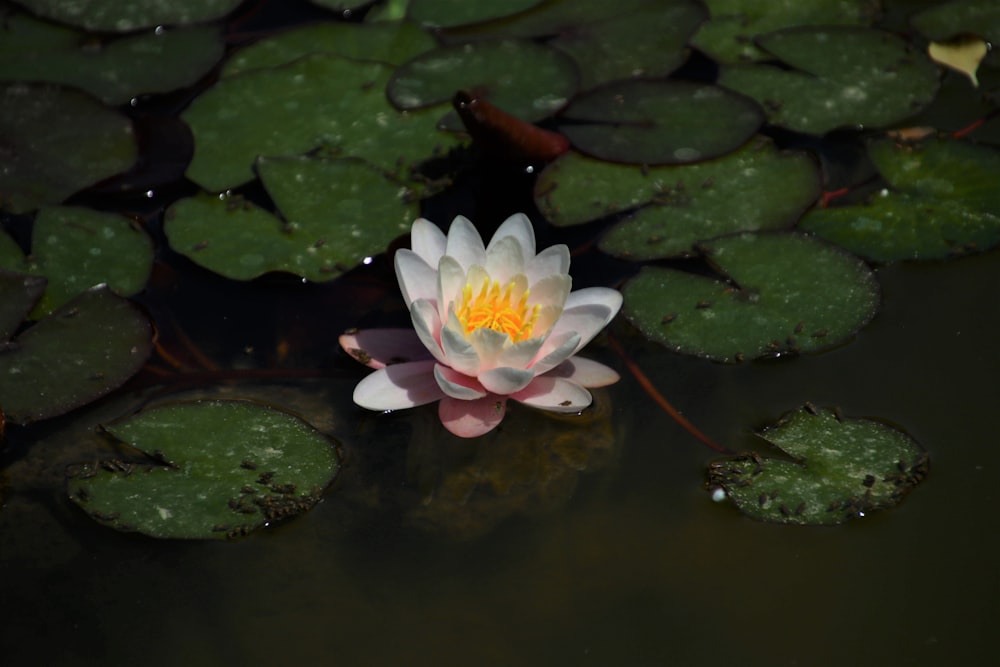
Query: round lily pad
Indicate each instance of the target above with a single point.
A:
(80, 352)
(114, 16)
(673, 207)
(18, 294)
(448, 13)
(961, 17)
(836, 77)
(224, 468)
(837, 469)
(527, 80)
(57, 141)
(942, 201)
(659, 122)
(319, 100)
(76, 248)
(777, 293)
(115, 70)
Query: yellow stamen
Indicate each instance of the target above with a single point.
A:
(493, 308)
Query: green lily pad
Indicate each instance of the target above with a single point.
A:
(57, 141)
(449, 13)
(76, 248)
(659, 122)
(387, 11)
(962, 17)
(839, 469)
(527, 80)
(346, 7)
(336, 214)
(649, 42)
(391, 43)
(223, 469)
(942, 201)
(777, 294)
(839, 77)
(674, 207)
(18, 294)
(111, 16)
(728, 37)
(316, 101)
(114, 70)
(80, 352)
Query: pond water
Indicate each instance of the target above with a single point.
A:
(550, 542)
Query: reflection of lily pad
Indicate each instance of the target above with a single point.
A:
(320, 100)
(756, 187)
(105, 16)
(77, 248)
(659, 122)
(839, 77)
(779, 293)
(942, 201)
(79, 353)
(228, 467)
(838, 469)
(57, 141)
(114, 70)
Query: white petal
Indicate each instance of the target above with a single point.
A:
(505, 381)
(519, 227)
(427, 324)
(417, 279)
(588, 311)
(469, 419)
(557, 349)
(427, 240)
(504, 259)
(399, 386)
(553, 393)
(458, 351)
(519, 355)
(489, 345)
(465, 244)
(551, 291)
(585, 372)
(451, 279)
(554, 260)
(377, 348)
(457, 385)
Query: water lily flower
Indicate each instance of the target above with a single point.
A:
(490, 323)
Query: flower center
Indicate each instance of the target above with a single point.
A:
(493, 307)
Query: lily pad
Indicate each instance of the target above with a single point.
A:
(673, 207)
(962, 17)
(76, 248)
(449, 13)
(728, 37)
(777, 294)
(346, 7)
(838, 469)
(222, 469)
(316, 101)
(659, 122)
(57, 141)
(942, 201)
(109, 16)
(391, 43)
(836, 77)
(115, 70)
(18, 294)
(80, 352)
(527, 80)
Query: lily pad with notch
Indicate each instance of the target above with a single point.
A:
(214, 469)
(776, 293)
(836, 469)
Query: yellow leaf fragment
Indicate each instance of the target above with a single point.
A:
(962, 55)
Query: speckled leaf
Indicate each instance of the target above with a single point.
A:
(839, 77)
(448, 13)
(776, 294)
(951, 19)
(115, 70)
(74, 356)
(224, 468)
(527, 80)
(838, 469)
(728, 37)
(320, 100)
(942, 201)
(57, 141)
(18, 294)
(391, 43)
(659, 122)
(117, 16)
(674, 207)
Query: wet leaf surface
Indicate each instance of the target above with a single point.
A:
(836, 77)
(674, 207)
(57, 141)
(219, 469)
(837, 469)
(114, 16)
(776, 294)
(942, 201)
(659, 122)
(80, 352)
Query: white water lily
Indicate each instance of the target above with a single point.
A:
(490, 323)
